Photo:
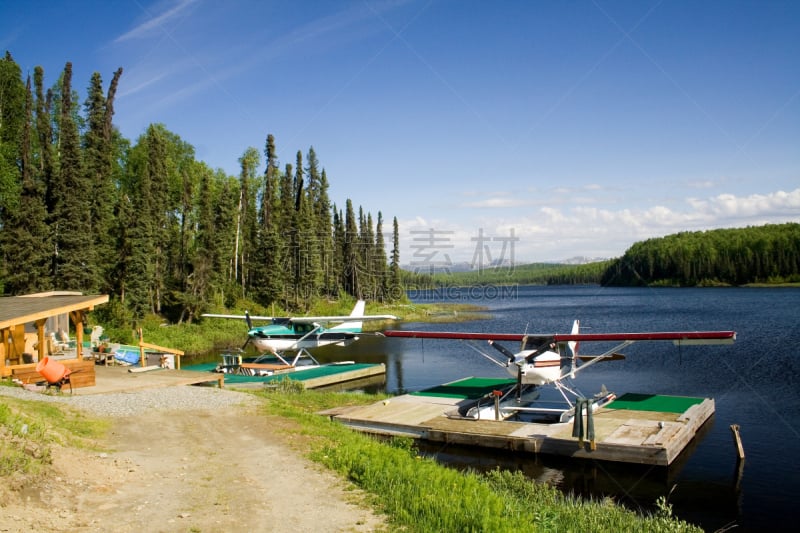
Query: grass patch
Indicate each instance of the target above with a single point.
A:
(418, 494)
(436, 313)
(29, 429)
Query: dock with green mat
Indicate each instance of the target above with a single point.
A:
(316, 377)
(634, 428)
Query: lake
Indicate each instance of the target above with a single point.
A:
(754, 382)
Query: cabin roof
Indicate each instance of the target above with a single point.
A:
(15, 310)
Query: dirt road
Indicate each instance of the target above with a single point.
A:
(199, 471)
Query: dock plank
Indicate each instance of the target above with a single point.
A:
(633, 432)
(621, 435)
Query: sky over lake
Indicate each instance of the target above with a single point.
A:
(524, 130)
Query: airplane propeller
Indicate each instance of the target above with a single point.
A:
(503, 350)
(543, 347)
(511, 359)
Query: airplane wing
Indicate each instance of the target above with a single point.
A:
(305, 319)
(677, 337)
(337, 318)
(458, 335)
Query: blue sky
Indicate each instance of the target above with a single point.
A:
(555, 129)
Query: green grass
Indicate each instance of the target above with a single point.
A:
(29, 429)
(415, 493)
(418, 494)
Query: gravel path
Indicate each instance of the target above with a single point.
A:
(121, 404)
(210, 467)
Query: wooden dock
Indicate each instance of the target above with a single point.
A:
(627, 430)
(312, 378)
(121, 379)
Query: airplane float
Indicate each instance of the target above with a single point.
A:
(296, 335)
(553, 359)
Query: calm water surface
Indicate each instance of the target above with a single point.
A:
(754, 383)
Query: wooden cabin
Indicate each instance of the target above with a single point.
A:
(20, 350)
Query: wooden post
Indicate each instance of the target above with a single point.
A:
(77, 321)
(3, 351)
(737, 439)
(142, 361)
(497, 394)
(42, 350)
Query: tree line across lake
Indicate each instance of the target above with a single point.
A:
(768, 254)
(84, 209)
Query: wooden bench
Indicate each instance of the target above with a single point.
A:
(82, 374)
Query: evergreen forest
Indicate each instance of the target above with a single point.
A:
(768, 254)
(84, 209)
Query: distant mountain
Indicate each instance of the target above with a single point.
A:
(438, 268)
(441, 268)
(581, 260)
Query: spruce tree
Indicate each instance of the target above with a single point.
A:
(75, 261)
(352, 266)
(313, 236)
(44, 136)
(247, 216)
(155, 207)
(129, 285)
(99, 165)
(288, 234)
(303, 242)
(12, 103)
(199, 287)
(268, 265)
(395, 284)
(25, 232)
(337, 264)
(12, 106)
(324, 231)
(380, 264)
(368, 257)
(140, 245)
(224, 239)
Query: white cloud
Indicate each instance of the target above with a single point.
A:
(497, 202)
(155, 22)
(755, 205)
(555, 233)
(142, 84)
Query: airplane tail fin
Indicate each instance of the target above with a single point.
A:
(353, 325)
(573, 347)
(358, 310)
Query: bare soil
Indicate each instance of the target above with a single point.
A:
(201, 471)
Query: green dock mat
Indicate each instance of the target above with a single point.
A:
(301, 375)
(654, 402)
(469, 388)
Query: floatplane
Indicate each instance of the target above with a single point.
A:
(553, 359)
(285, 342)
